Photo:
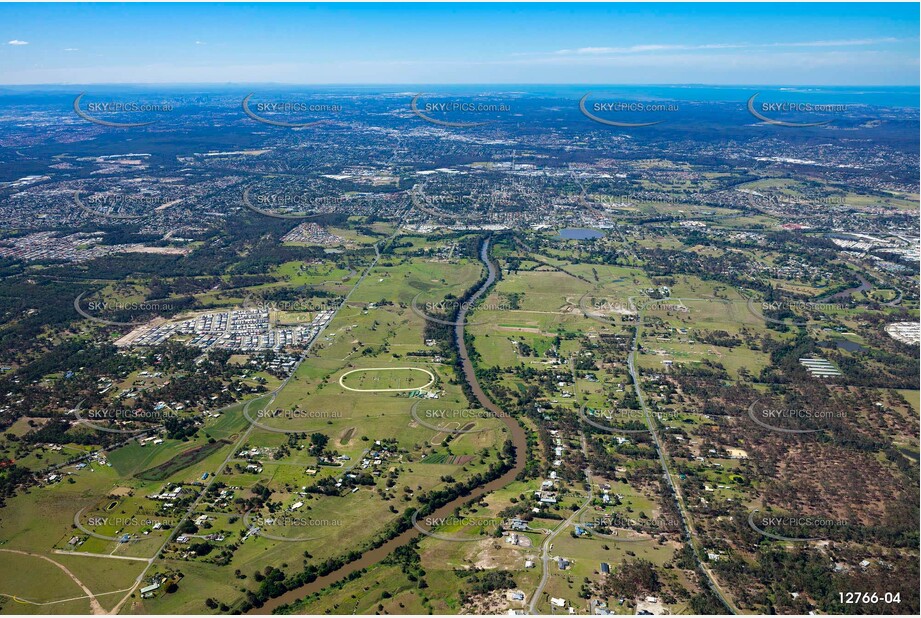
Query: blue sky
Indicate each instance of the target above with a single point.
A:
(817, 44)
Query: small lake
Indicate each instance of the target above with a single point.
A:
(579, 233)
(844, 344)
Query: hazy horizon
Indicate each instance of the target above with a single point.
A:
(421, 43)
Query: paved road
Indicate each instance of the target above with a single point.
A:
(682, 509)
(663, 460)
(245, 435)
(518, 438)
(545, 546)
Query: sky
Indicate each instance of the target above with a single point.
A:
(644, 43)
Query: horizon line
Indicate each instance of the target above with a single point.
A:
(444, 84)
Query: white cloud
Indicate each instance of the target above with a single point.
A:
(639, 49)
(642, 49)
(17, 42)
(71, 49)
(843, 43)
(200, 43)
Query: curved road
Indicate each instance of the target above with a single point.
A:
(545, 546)
(246, 433)
(518, 438)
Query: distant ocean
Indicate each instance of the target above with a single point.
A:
(885, 96)
(877, 96)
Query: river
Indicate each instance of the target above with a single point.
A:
(518, 437)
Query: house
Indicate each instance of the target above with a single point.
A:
(605, 567)
(600, 608)
(557, 602)
(170, 494)
(147, 591)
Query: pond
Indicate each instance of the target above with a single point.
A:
(579, 233)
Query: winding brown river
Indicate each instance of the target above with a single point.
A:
(518, 437)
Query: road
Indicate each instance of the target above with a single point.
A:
(545, 546)
(95, 607)
(245, 435)
(679, 498)
(518, 438)
(663, 458)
